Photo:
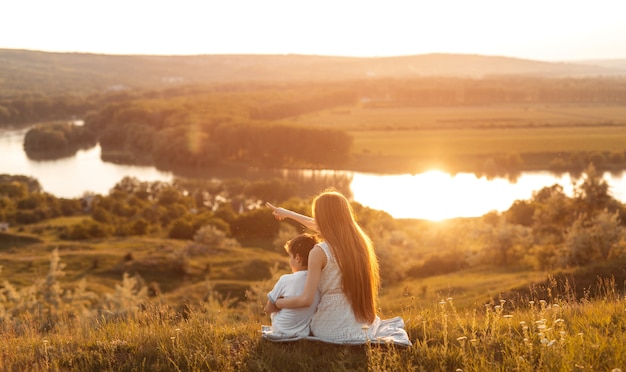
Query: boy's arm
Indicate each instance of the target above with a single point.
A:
(270, 307)
(273, 296)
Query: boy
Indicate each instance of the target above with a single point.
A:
(293, 322)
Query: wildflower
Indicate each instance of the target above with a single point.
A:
(118, 342)
(497, 307)
(555, 306)
(544, 341)
(522, 323)
(542, 327)
(559, 321)
(449, 299)
(531, 302)
(462, 338)
(502, 302)
(508, 316)
(442, 302)
(525, 340)
(551, 343)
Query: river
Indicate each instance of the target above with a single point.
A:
(432, 195)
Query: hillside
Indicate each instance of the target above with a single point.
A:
(23, 71)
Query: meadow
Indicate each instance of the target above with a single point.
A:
(152, 311)
(460, 322)
(399, 117)
(462, 138)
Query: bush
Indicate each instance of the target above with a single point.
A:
(87, 229)
(258, 223)
(595, 239)
(181, 229)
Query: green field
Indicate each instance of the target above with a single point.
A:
(455, 142)
(456, 117)
(464, 138)
(461, 321)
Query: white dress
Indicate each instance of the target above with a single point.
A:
(334, 320)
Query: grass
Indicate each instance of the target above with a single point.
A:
(466, 117)
(458, 142)
(557, 334)
(478, 319)
(103, 262)
(465, 138)
(471, 288)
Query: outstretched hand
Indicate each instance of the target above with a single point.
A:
(276, 211)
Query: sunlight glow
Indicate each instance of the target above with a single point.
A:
(437, 195)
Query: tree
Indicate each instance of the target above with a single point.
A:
(554, 213)
(592, 194)
(595, 239)
(181, 229)
(521, 212)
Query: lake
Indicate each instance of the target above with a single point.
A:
(432, 195)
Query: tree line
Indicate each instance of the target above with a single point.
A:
(549, 231)
(203, 130)
(275, 101)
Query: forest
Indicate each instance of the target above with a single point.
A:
(260, 124)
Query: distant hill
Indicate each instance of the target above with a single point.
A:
(23, 71)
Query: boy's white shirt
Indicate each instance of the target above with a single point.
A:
(292, 322)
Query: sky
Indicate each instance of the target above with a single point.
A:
(548, 30)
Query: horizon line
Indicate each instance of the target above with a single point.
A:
(312, 55)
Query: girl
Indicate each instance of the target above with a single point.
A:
(343, 267)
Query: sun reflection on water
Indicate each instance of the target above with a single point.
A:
(436, 195)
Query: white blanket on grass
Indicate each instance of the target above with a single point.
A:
(389, 331)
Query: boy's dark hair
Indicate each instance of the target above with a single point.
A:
(302, 245)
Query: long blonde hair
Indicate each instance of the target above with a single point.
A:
(353, 251)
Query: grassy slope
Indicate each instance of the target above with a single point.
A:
(459, 322)
(103, 262)
(455, 320)
(233, 272)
